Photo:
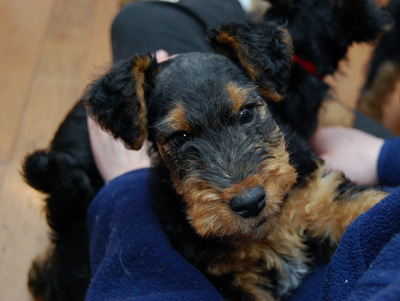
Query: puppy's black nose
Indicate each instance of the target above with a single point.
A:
(249, 203)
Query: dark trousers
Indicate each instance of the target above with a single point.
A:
(143, 27)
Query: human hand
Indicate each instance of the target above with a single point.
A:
(111, 156)
(161, 56)
(349, 150)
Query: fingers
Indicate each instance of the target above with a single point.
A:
(111, 156)
(349, 150)
(323, 139)
(161, 56)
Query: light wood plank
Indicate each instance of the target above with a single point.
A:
(60, 76)
(63, 71)
(23, 234)
(100, 53)
(4, 166)
(23, 28)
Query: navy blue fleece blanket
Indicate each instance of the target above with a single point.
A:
(366, 266)
(131, 258)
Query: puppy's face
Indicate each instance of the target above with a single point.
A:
(208, 117)
(225, 153)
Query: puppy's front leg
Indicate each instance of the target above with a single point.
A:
(329, 203)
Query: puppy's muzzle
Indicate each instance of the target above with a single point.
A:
(249, 203)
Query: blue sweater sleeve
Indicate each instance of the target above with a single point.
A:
(131, 257)
(366, 265)
(389, 163)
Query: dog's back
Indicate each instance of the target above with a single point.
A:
(66, 172)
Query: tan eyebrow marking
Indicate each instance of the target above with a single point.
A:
(176, 119)
(238, 95)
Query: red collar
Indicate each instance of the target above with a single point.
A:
(309, 66)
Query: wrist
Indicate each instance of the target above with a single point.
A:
(389, 163)
(373, 153)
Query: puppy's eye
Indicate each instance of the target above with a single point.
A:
(247, 114)
(180, 138)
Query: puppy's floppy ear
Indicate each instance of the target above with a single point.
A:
(117, 100)
(263, 50)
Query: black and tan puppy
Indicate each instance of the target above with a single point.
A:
(322, 32)
(243, 188)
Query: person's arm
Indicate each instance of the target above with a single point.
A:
(389, 163)
(349, 150)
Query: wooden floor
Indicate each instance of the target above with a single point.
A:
(50, 49)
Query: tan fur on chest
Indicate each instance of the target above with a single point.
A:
(319, 210)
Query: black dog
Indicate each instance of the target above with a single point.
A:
(260, 192)
(322, 31)
(384, 69)
(67, 173)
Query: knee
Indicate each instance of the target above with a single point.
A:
(127, 16)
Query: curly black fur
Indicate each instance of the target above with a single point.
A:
(67, 173)
(322, 31)
(273, 61)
